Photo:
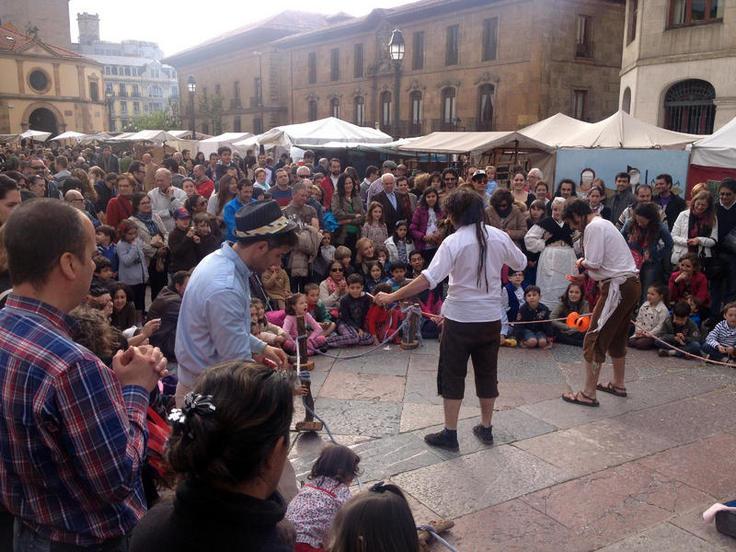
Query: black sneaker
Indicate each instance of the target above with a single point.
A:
(485, 434)
(442, 440)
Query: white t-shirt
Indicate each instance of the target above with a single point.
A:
(457, 256)
(607, 254)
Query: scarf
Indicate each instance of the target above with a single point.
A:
(401, 248)
(697, 227)
(557, 232)
(147, 219)
(503, 213)
(331, 285)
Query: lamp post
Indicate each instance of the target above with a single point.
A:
(396, 53)
(109, 95)
(192, 88)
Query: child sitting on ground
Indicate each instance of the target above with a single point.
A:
(512, 297)
(416, 261)
(719, 345)
(375, 277)
(353, 311)
(571, 301)
(691, 285)
(296, 305)
(343, 255)
(679, 331)
(104, 275)
(263, 329)
(398, 276)
(276, 283)
(652, 315)
(316, 308)
(314, 508)
(537, 333)
(383, 321)
(366, 253)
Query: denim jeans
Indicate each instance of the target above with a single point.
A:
(27, 540)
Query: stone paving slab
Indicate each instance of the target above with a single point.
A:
(616, 502)
(692, 522)
(417, 416)
(391, 363)
(475, 481)
(708, 465)
(365, 387)
(592, 447)
(663, 537)
(369, 418)
(513, 393)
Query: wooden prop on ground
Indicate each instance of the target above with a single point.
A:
(410, 335)
(425, 537)
(303, 369)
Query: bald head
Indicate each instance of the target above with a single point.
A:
(388, 180)
(75, 199)
(162, 177)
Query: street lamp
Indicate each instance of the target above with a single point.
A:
(396, 53)
(192, 88)
(109, 95)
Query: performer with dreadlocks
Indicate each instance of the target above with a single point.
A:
(473, 258)
(607, 260)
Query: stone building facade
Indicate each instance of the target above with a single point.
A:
(468, 65)
(47, 87)
(50, 18)
(679, 63)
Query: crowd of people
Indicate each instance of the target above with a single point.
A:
(97, 254)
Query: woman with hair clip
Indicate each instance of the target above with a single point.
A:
(228, 447)
(472, 257)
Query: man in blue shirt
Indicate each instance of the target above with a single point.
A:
(214, 321)
(244, 197)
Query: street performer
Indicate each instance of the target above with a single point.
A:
(608, 260)
(473, 257)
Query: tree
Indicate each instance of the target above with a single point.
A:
(210, 109)
(158, 120)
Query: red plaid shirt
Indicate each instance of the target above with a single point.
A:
(72, 440)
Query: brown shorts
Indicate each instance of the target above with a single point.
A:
(460, 341)
(614, 335)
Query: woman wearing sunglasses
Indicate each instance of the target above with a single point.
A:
(334, 287)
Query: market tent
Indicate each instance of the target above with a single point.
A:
(38, 135)
(4, 138)
(323, 131)
(621, 130)
(122, 137)
(98, 137)
(70, 135)
(555, 130)
(472, 142)
(718, 149)
(187, 134)
(156, 136)
(210, 145)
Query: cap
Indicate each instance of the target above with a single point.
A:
(261, 218)
(181, 213)
(479, 173)
(388, 164)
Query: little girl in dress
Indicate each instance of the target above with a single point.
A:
(296, 305)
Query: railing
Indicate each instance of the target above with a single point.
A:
(235, 103)
(256, 102)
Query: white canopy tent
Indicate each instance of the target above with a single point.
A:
(718, 149)
(471, 142)
(69, 135)
(38, 135)
(187, 134)
(556, 130)
(321, 132)
(155, 136)
(621, 130)
(210, 145)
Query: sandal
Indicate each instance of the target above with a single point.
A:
(575, 399)
(612, 389)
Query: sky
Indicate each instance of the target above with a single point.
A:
(182, 24)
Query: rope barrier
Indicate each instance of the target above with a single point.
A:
(435, 536)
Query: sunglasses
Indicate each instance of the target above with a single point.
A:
(336, 270)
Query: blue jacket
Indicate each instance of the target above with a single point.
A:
(513, 301)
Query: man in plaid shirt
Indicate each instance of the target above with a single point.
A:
(72, 431)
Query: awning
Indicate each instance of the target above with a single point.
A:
(472, 142)
(323, 131)
(718, 149)
(37, 135)
(69, 135)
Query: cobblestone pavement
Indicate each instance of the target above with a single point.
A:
(634, 474)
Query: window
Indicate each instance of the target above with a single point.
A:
(626, 102)
(448, 106)
(631, 25)
(579, 99)
(689, 106)
(136, 107)
(123, 90)
(218, 90)
(335, 108)
(694, 12)
(136, 91)
(94, 92)
(485, 107)
(124, 107)
(358, 61)
(312, 67)
(386, 109)
(108, 89)
(490, 38)
(258, 90)
(237, 124)
(107, 70)
(334, 64)
(312, 110)
(359, 115)
(114, 69)
(416, 112)
(258, 125)
(236, 90)
(417, 51)
(39, 80)
(452, 44)
(583, 46)
(174, 91)
(205, 128)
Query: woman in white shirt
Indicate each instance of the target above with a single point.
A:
(696, 229)
(472, 257)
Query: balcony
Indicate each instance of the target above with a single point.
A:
(235, 103)
(256, 101)
(409, 129)
(447, 126)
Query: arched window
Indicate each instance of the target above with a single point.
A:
(448, 107)
(385, 109)
(626, 101)
(689, 106)
(335, 108)
(359, 113)
(416, 112)
(312, 110)
(485, 107)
